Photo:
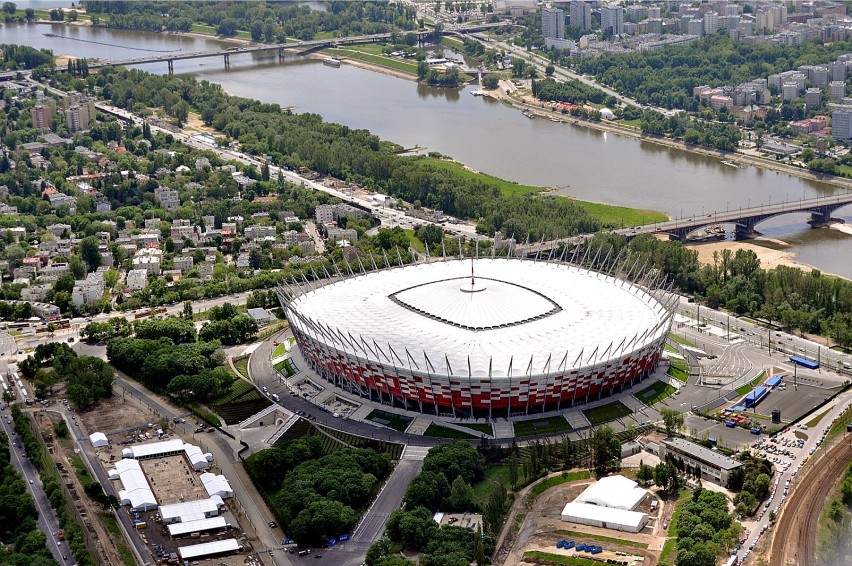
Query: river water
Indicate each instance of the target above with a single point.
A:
(487, 136)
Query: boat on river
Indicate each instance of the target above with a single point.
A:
(331, 62)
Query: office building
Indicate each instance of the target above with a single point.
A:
(714, 466)
(841, 123)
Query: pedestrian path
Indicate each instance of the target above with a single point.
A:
(577, 419)
(503, 429)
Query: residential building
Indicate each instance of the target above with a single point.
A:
(183, 263)
(77, 118)
(819, 76)
(35, 293)
(137, 279)
(612, 19)
(148, 259)
(711, 23)
(88, 291)
(714, 465)
(243, 261)
(837, 89)
(581, 14)
(337, 234)
(813, 98)
(838, 71)
(42, 117)
(168, 198)
(789, 91)
(552, 23)
(718, 101)
(841, 123)
(258, 232)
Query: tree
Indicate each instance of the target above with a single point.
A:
(490, 82)
(431, 235)
(672, 419)
(549, 70)
(187, 310)
(606, 451)
(90, 253)
(461, 496)
(228, 27)
(427, 489)
(9, 7)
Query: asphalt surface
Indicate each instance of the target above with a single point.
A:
(47, 521)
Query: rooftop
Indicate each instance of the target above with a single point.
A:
(703, 453)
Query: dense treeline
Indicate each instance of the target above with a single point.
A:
(267, 21)
(834, 523)
(716, 134)
(706, 530)
(304, 140)
(666, 77)
(25, 57)
(573, 91)
(87, 379)
(26, 544)
(74, 536)
(752, 480)
(317, 497)
(805, 301)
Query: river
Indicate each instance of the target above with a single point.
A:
(488, 136)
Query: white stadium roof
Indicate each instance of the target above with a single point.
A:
(529, 316)
(617, 492)
(208, 548)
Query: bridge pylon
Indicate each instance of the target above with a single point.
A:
(171, 66)
(820, 219)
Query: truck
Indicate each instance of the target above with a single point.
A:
(60, 535)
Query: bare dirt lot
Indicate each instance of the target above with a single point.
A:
(172, 480)
(116, 413)
(543, 527)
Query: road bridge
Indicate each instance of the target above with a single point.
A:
(226, 54)
(744, 221)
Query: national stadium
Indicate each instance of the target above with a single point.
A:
(482, 337)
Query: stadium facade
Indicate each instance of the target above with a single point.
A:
(482, 337)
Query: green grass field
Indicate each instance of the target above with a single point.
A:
(606, 413)
(670, 547)
(582, 537)
(414, 241)
(285, 367)
(749, 387)
(494, 474)
(112, 526)
(541, 426)
(655, 393)
(621, 216)
(439, 431)
(81, 471)
(241, 365)
(391, 420)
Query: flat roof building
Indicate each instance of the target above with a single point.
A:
(209, 549)
(714, 465)
(616, 492)
(604, 517)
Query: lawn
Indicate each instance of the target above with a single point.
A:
(82, 472)
(606, 413)
(452, 43)
(285, 367)
(670, 547)
(380, 60)
(241, 365)
(576, 535)
(680, 340)
(494, 474)
(414, 241)
(677, 370)
(508, 188)
(621, 216)
(539, 557)
(112, 526)
(279, 351)
(565, 477)
(815, 421)
(748, 387)
(541, 426)
(655, 393)
(481, 427)
(439, 431)
(390, 420)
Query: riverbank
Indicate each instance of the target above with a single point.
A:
(544, 110)
(771, 253)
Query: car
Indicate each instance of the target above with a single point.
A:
(272, 524)
(31, 482)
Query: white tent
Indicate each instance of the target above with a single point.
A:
(604, 517)
(98, 439)
(216, 485)
(617, 492)
(135, 490)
